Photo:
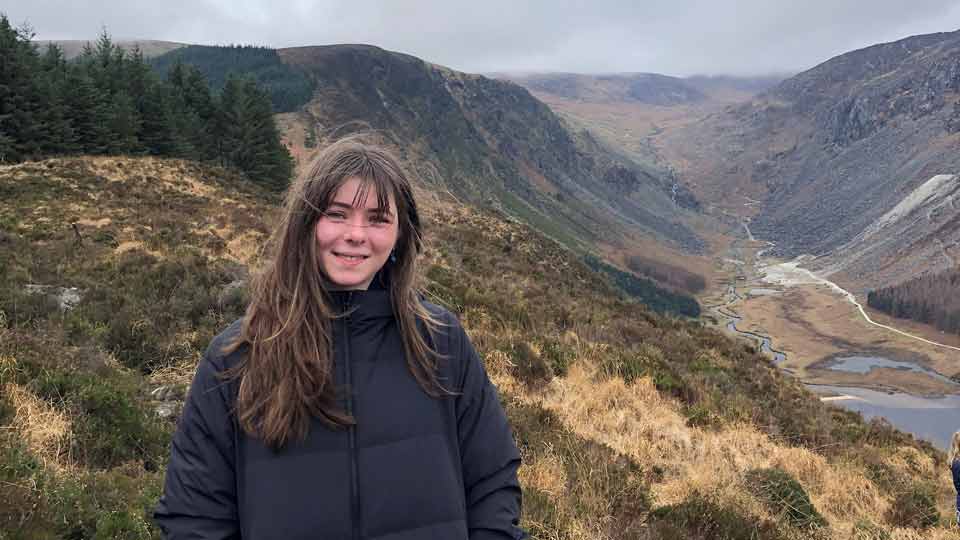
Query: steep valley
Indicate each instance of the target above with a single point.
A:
(851, 164)
(115, 271)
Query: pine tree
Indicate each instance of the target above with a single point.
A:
(249, 137)
(163, 122)
(271, 161)
(87, 112)
(124, 123)
(59, 136)
(19, 104)
(232, 122)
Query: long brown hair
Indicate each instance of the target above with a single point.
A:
(954, 452)
(286, 377)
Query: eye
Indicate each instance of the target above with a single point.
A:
(379, 219)
(335, 215)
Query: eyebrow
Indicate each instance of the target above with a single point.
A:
(385, 211)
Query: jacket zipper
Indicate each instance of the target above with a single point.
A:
(352, 430)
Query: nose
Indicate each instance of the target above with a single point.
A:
(355, 233)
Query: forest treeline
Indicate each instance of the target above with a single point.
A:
(647, 291)
(933, 299)
(110, 101)
(672, 275)
(289, 88)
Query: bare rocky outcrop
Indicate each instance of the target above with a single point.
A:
(833, 149)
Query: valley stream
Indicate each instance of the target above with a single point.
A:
(931, 417)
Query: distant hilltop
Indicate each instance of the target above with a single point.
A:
(150, 47)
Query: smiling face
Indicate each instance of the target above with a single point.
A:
(355, 236)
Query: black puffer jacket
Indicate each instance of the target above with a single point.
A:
(413, 468)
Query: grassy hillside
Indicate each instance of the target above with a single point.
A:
(632, 425)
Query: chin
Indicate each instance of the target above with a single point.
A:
(346, 282)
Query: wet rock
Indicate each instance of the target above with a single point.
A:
(67, 297)
(167, 409)
(166, 393)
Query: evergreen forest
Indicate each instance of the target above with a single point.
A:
(289, 88)
(930, 299)
(110, 101)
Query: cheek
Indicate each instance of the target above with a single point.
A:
(384, 239)
(323, 236)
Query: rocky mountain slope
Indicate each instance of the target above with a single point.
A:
(920, 235)
(490, 142)
(631, 425)
(831, 151)
(631, 111)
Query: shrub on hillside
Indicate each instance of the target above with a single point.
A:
(914, 506)
(868, 530)
(528, 365)
(784, 497)
(110, 425)
(115, 504)
(557, 355)
(144, 304)
(699, 516)
(18, 498)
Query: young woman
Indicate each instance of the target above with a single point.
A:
(343, 406)
(953, 458)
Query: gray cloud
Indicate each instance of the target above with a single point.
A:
(678, 37)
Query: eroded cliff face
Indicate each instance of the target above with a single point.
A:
(920, 235)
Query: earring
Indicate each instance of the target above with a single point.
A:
(393, 256)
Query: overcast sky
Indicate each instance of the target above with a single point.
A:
(674, 37)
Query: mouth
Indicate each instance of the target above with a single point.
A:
(350, 258)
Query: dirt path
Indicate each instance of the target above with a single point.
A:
(792, 267)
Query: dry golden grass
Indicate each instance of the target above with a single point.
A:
(637, 421)
(546, 474)
(136, 245)
(930, 534)
(96, 223)
(45, 430)
(171, 174)
(245, 247)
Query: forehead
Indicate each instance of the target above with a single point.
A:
(359, 193)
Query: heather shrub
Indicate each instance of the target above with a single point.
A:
(699, 516)
(914, 506)
(784, 497)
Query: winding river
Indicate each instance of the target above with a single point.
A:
(931, 418)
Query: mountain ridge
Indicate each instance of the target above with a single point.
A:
(830, 150)
(492, 142)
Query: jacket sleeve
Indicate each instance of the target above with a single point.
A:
(488, 454)
(199, 494)
(955, 472)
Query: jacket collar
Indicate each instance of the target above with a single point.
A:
(364, 305)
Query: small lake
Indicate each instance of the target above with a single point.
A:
(934, 419)
(863, 365)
